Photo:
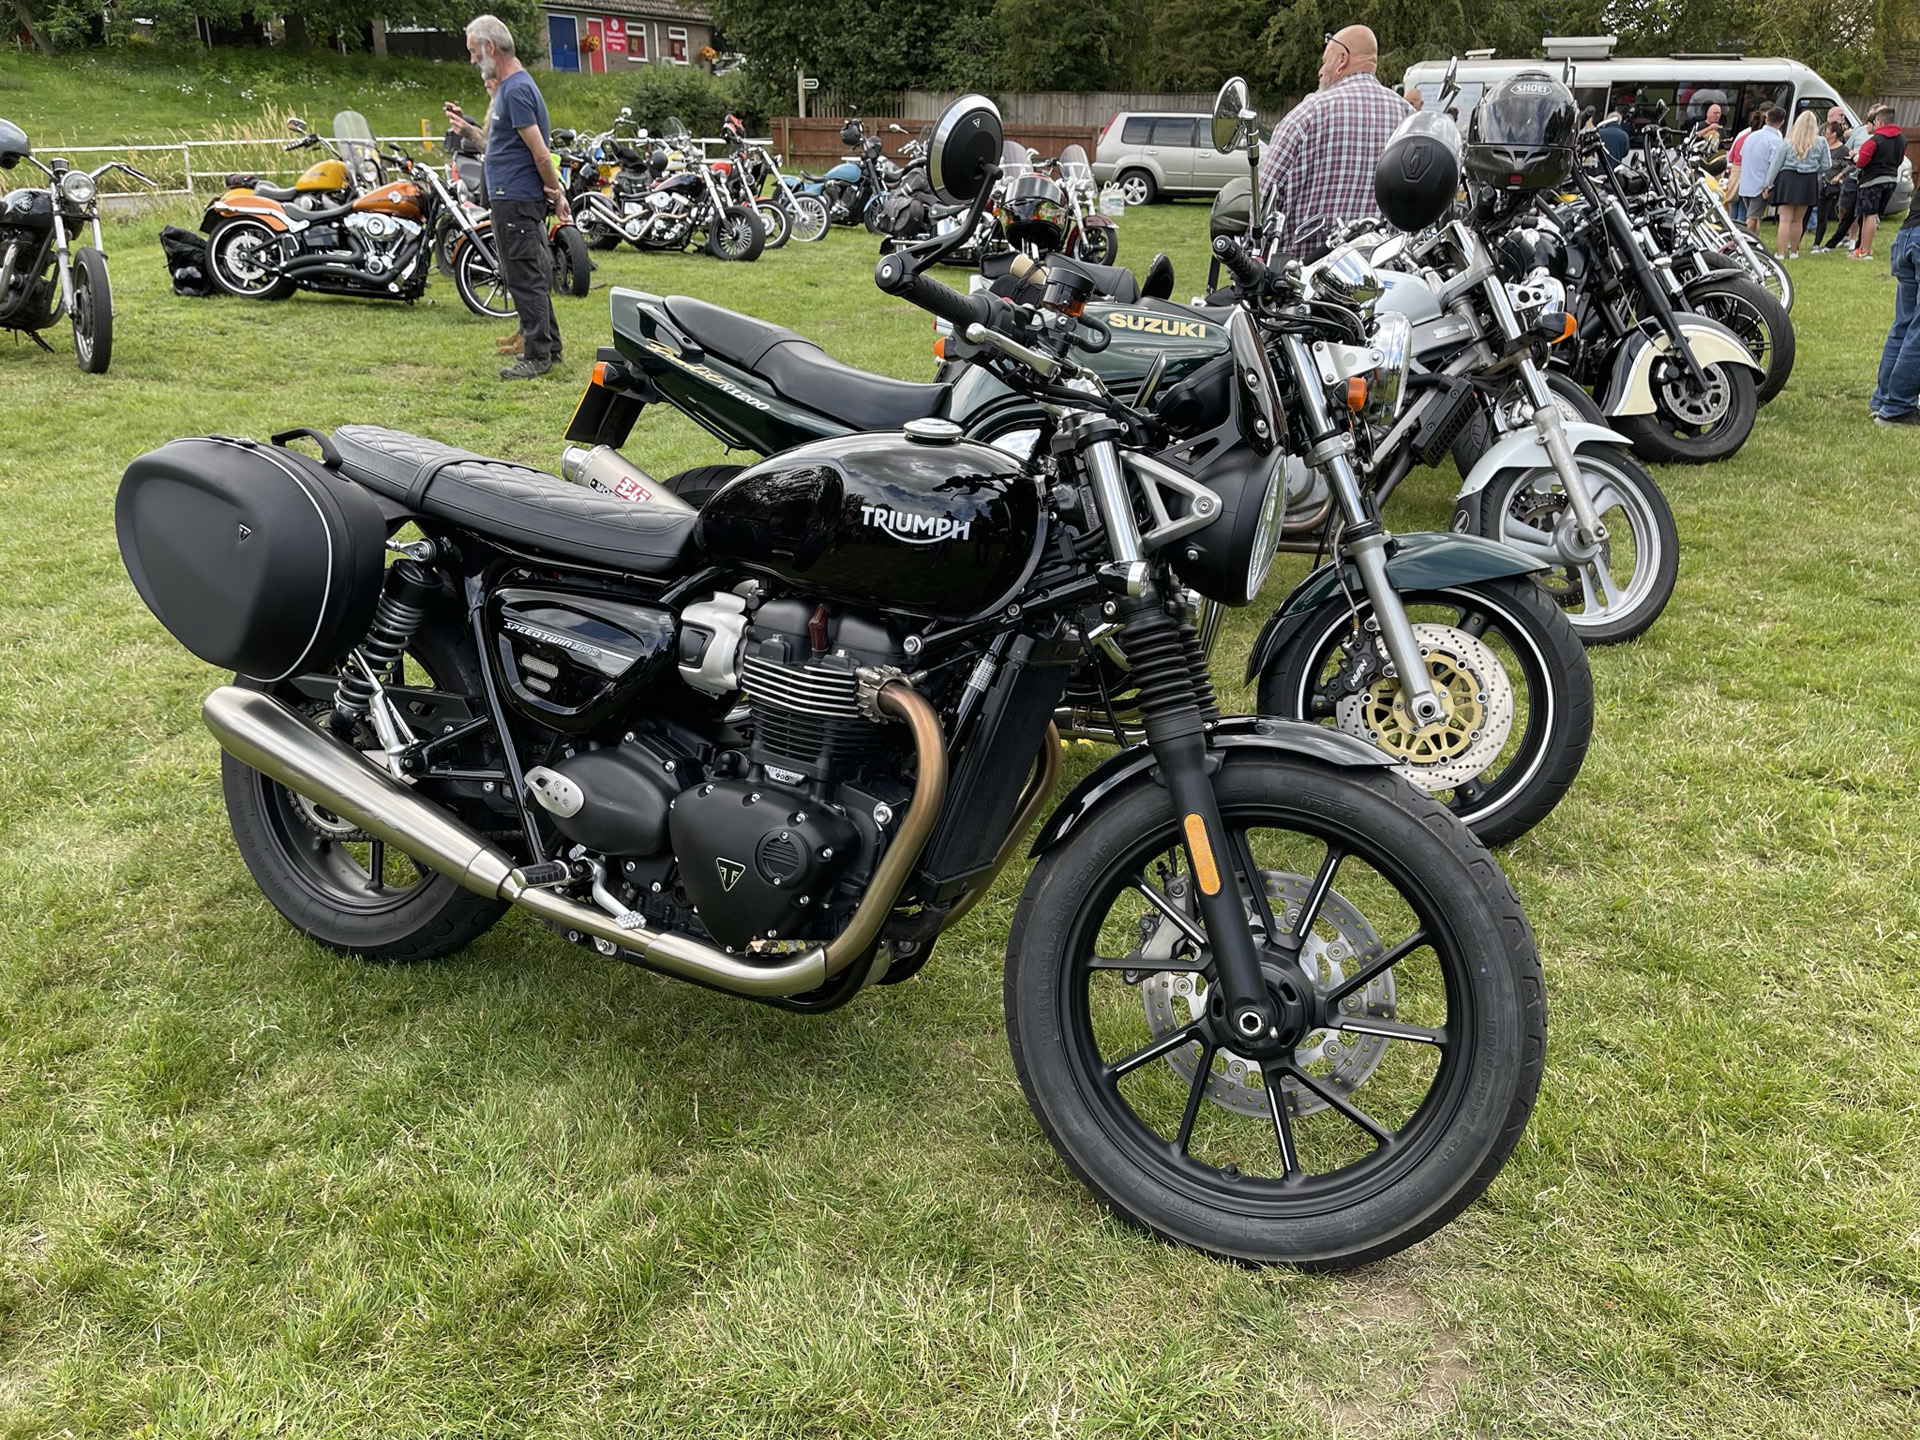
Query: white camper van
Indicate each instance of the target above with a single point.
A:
(1687, 84)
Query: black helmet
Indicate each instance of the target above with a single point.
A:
(13, 145)
(1418, 174)
(851, 133)
(1522, 133)
(1034, 214)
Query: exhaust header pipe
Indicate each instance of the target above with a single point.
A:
(267, 735)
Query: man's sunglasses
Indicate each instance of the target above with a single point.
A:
(1328, 39)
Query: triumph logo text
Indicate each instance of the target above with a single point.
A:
(915, 529)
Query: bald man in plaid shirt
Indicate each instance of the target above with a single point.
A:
(1319, 166)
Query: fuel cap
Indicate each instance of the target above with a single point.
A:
(932, 432)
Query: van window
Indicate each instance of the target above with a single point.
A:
(1697, 95)
(1819, 104)
(1762, 97)
(1137, 131)
(1169, 130)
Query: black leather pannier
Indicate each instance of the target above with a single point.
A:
(255, 557)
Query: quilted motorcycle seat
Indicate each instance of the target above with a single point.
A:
(802, 372)
(517, 504)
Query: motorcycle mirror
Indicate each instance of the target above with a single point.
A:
(965, 149)
(1229, 130)
(296, 125)
(896, 130)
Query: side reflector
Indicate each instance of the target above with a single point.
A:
(1201, 848)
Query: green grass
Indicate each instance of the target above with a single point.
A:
(249, 1187)
(142, 94)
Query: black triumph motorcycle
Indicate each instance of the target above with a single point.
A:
(1264, 998)
(41, 278)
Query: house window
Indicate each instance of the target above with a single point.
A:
(637, 42)
(677, 45)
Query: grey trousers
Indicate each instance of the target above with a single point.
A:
(520, 240)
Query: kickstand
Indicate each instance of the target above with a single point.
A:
(35, 336)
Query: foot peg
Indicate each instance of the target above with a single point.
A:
(545, 874)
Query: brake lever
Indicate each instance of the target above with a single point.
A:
(1044, 365)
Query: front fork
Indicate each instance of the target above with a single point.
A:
(1366, 540)
(63, 262)
(1176, 732)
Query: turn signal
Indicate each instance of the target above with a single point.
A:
(1357, 394)
(1556, 325)
(600, 372)
(940, 347)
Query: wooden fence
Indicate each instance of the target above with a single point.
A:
(814, 143)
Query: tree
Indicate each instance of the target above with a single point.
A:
(861, 51)
(1069, 44)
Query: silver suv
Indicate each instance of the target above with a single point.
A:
(1155, 155)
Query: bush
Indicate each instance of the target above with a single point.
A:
(660, 91)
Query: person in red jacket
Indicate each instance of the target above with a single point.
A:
(1878, 161)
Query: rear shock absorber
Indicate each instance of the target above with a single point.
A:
(409, 587)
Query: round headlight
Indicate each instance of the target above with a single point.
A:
(1347, 274)
(77, 186)
(1393, 338)
(1267, 537)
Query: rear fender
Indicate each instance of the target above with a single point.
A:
(1630, 392)
(1524, 450)
(244, 202)
(1236, 736)
(1422, 560)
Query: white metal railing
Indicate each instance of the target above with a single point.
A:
(187, 149)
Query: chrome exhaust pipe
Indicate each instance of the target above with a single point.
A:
(6, 266)
(269, 736)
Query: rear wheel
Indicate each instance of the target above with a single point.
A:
(92, 311)
(329, 880)
(700, 484)
(476, 275)
(1402, 968)
(240, 252)
(737, 234)
(1138, 187)
(572, 265)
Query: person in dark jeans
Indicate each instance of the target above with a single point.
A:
(521, 180)
(1896, 398)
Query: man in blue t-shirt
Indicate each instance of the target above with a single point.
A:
(521, 180)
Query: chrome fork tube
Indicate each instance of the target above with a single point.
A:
(1552, 428)
(61, 259)
(1115, 504)
(1366, 542)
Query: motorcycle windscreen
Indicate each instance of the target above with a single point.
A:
(353, 138)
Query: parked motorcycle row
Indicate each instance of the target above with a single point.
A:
(776, 728)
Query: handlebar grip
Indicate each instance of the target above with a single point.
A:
(895, 276)
(1248, 272)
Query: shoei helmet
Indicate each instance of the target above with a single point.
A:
(13, 145)
(1522, 133)
(1418, 174)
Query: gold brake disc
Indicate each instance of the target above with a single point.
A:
(1476, 703)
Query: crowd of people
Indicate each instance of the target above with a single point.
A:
(1838, 175)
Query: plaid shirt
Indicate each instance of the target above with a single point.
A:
(1319, 166)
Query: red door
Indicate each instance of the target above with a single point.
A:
(597, 50)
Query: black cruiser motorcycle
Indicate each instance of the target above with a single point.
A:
(1264, 998)
(41, 278)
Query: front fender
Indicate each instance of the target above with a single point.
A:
(1524, 450)
(1420, 560)
(1630, 391)
(1237, 734)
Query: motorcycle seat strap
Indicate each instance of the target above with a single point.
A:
(416, 491)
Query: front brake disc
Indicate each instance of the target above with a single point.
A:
(1340, 1060)
(1477, 704)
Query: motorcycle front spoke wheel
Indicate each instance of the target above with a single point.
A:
(1611, 593)
(1415, 1039)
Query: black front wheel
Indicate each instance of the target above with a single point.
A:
(1692, 424)
(737, 234)
(1512, 677)
(1401, 965)
(92, 311)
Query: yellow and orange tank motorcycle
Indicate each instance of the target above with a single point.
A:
(345, 228)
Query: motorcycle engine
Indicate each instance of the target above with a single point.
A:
(774, 837)
(381, 236)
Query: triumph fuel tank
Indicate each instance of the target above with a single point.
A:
(932, 526)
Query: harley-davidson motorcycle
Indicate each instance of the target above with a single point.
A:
(570, 267)
(41, 277)
(1265, 998)
(664, 199)
(378, 243)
